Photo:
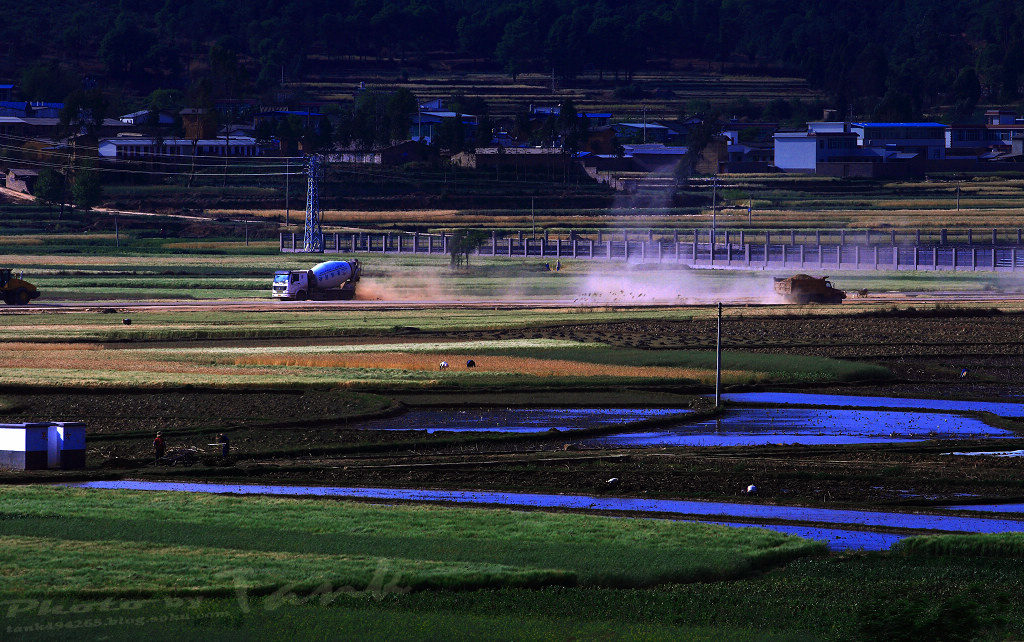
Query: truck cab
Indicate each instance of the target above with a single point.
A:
(291, 284)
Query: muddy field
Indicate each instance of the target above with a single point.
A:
(292, 436)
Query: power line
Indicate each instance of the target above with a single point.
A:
(96, 148)
(185, 163)
(109, 170)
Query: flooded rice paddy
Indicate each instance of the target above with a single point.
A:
(1002, 409)
(863, 534)
(990, 508)
(809, 426)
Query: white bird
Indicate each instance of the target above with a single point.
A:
(751, 490)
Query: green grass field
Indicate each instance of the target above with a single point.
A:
(310, 568)
(141, 543)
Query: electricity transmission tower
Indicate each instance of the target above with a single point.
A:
(314, 238)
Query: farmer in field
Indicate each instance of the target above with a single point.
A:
(225, 445)
(159, 447)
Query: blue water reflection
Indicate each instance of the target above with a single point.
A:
(809, 426)
(719, 512)
(806, 399)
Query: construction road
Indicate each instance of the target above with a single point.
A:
(263, 305)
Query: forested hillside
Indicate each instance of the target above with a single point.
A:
(908, 55)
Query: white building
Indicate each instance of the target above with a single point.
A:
(802, 151)
(136, 147)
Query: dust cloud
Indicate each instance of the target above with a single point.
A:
(404, 287)
(656, 285)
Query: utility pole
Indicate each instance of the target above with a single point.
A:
(714, 207)
(718, 359)
(958, 196)
(117, 232)
(644, 109)
(246, 232)
(533, 219)
(287, 190)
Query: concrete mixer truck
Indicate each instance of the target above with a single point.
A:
(327, 281)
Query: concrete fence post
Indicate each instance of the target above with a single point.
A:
(415, 242)
(954, 258)
(510, 247)
(608, 243)
(917, 257)
(293, 242)
(746, 253)
(430, 244)
(591, 241)
(785, 254)
(935, 258)
(839, 256)
(875, 248)
(821, 256)
(558, 247)
(995, 250)
(743, 237)
(856, 257)
(766, 257)
(974, 258)
(1013, 259)
(574, 244)
(896, 257)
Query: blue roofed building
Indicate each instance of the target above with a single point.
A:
(926, 139)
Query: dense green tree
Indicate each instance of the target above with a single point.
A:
(50, 188)
(518, 46)
(855, 53)
(86, 189)
(46, 81)
(462, 243)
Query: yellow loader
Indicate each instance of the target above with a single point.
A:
(16, 290)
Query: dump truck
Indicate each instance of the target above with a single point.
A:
(15, 289)
(803, 288)
(327, 281)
